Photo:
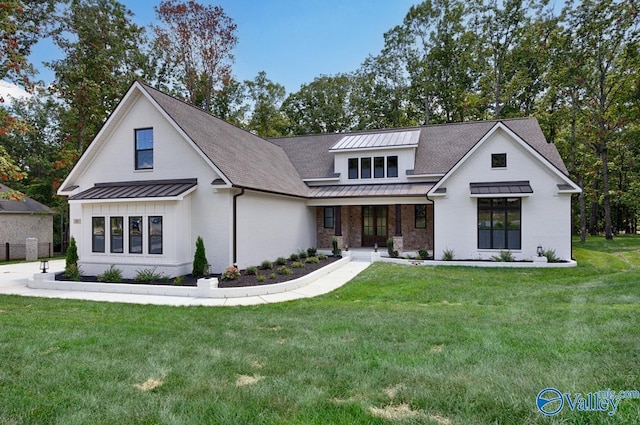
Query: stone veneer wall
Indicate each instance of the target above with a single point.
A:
(413, 239)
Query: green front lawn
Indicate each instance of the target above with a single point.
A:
(404, 344)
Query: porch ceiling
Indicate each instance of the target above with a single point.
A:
(370, 190)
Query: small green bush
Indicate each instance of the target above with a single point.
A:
(551, 256)
(312, 252)
(392, 252)
(294, 257)
(312, 260)
(148, 275)
(302, 255)
(335, 251)
(504, 257)
(272, 276)
(322, 257)
(284, 270)
(266, 265)
(112, 274)
(178, 280)
(297, 264)
(251, 270)
(73, 272)
(423, 254)
(260, 278)
(281, 261)
(200, 263)
(448, 255)
(71, 269)
(231, 273)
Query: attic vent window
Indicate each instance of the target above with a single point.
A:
(499, 160)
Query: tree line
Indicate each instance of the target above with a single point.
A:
(577, 70)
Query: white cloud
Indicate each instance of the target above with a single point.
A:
(9, 90)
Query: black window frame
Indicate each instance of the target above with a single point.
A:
(135, 237)
(420, 213)
(139, 152)
(329, 217)
(353, 168)
(499, 208)
(95, 237)
(498, 160)
(392, 170)
(153, 236)
(113, 236)
(378, 170)
(365, 171)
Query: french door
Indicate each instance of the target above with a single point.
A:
(374, 225)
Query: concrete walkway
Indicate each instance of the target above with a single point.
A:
(14, 278)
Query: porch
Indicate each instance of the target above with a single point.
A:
(365, 226)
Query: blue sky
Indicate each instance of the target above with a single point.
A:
(294, 41)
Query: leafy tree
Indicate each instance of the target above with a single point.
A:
(321, 106)
(267, 97)
(196, 43)
(229, 101)
(102, 56)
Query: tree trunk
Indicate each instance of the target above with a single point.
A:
(608, 235)
(583, 211)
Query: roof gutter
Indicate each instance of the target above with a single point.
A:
(235, 224)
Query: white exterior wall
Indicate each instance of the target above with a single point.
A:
(546, 215)
(272, 226)
(406, 161)
(206, 212)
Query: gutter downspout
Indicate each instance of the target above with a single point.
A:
(433, 223)
(235, 225)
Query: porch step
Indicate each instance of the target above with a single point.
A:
(361, 254)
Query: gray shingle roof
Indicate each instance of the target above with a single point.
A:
(244, 158)
(440, 148)
(27, 205)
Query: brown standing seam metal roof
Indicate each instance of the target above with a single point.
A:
(245, 159)
(371, 190)
(500, 188)
(26, 205)
(137, 189)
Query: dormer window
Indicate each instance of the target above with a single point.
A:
(144, 148)
(378, 167)
(499, 160)
(383, 166)
(392, 166)
(365, 168)
(353, 168)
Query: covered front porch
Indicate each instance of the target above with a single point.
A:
(410, 225)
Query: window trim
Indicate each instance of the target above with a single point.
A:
(138, 151)
(131, 236)
(94, 219)
(350, 168)
(151, 235)
(329, 217)
(416, 216)
(376, 168)
(504, 212)
(369, 168)
(497, 159)
(395, 157)
(111, 234)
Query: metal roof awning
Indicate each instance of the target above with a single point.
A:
(513, 188)
(370, 190)
(172, 189)
(378, 140)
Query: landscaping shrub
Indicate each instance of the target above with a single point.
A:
(551, 256)
(504, 257)
(281, 261)
(231, 273)
(112, 274)
(297, 264)
(392, 252)
(148, 275)
(302, 255)
(294, 257)
(273, 275)
(423, 254)
(312, 260)
(178, 280)
(284, 270)
(71, 269)
(200, 263)
(312, 252)
(448, 255)
(336, 251)
(266, 265)
(322, 257)
(251, 270)
(260, 278)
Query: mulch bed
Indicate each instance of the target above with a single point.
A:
(243, 280)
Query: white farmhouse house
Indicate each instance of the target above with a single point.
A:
(160, 173)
